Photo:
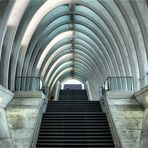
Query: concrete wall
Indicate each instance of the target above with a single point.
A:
(24, 114)
(142, 98)
(5, 96)
(57, 92)
(88, 90)
(5, 136)
(127, 115)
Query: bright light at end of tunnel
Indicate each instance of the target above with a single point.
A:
(71, 81)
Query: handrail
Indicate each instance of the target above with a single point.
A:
(123, 83)
(120, 77)
(109, 117)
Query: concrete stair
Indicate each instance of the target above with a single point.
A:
(74, 124)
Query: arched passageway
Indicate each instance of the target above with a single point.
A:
(85, 39)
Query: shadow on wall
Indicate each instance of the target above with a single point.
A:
(146, 2)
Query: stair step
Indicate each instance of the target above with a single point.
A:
(75, 127)
(76, 110)
(61, 116)
(74, 122)
(97, 137)
(77, 134)
(73, 101)
(76, 140)
(74, 130)
(72, 116)
(73, 119)
(75, 113)
(76, 144)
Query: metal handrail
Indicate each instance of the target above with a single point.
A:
(117, 78)
(120, 77)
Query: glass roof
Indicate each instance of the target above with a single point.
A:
(87, 39)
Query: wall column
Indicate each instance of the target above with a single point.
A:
(142, 98)
(5, 136)
(57, 92)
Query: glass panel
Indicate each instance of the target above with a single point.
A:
(120, 83)
(27, 83)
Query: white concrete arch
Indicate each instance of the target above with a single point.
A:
(109, 38)
(88, 45)
(87, 62)
(83, 65)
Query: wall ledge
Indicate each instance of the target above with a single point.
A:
(2, 88)
(29, 94)
(142, 96)
(143, 90)
(119, 94)
(5, 96)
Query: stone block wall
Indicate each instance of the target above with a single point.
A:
(142, 97)
(24, 114)
(127, 115)
(5, 135)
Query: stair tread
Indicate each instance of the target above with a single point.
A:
(99, 144)
(77, 113)
(72, 134)
(75, 127)
(74, 122)
(75, 130)
(76, 136)
(76, 140)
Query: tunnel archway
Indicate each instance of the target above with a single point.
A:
(103, 39)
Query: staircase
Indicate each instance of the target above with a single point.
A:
(73, 95)
(74, 123)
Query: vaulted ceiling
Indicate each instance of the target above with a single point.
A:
(85, 39)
